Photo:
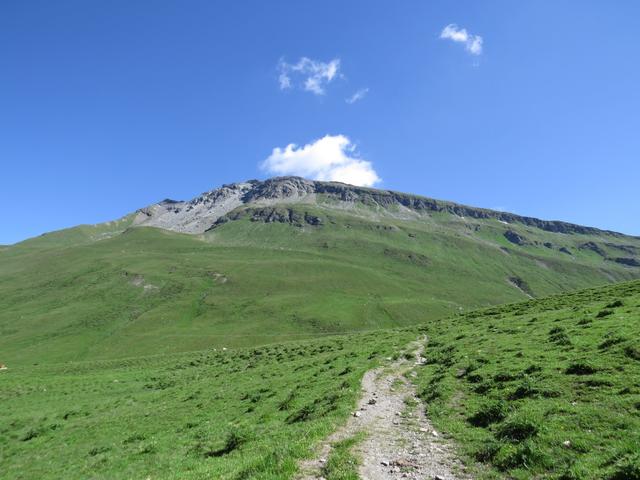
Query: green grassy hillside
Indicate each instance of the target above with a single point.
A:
(543, 389)
(265, 275)
(225, 414)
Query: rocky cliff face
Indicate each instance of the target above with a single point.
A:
(212, 208)
(204, 212)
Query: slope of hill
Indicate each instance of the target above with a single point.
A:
(226, 414)
(279, 260)
(547, 388)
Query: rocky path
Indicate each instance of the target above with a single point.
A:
(399, 442)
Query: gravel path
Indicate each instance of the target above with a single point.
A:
(400, 441)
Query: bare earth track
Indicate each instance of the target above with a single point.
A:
(399, 442)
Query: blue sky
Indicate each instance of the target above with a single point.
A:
(528, 106)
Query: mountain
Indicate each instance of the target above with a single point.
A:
(210, 209)
(228, 336)
(287, 258)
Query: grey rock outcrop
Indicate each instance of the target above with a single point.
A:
(594, 247)
(629, 262)
(515, 238)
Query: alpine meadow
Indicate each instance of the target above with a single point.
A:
(229, 351)
(416, 254)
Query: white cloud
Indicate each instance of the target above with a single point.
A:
(310, 75)
(472, 43)
(359, 95)
(330, 158)
(285, 81)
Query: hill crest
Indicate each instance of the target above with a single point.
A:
(202, 212)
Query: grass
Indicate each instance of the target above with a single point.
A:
(548, 388)
(343, 463)
(527, 390)
(109, 291)
(234, 414)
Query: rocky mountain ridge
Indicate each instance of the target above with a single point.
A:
(205, 211)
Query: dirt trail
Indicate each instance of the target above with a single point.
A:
(400, 441)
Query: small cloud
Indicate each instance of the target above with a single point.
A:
(285, 81)
(472, 43)
(359, 95)
(330, 158)
(309, 75)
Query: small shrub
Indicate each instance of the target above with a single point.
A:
(558, 336)
(156, 383)
(474, 378)
(137, 437)
(286, 403)
(234, 440)
(519, 427)
(632, 352)
(503, 377)
(483, 388)
(31, 434)
(98, 450)
(523, 455)
(430, 393)
(69, 414)
(611, 339)
(616, 304)
(597, 383)
(580, 368)
(487, 451)
(331, 401)
(526, 389)
(533, 369)
(302, 415)
(489, 413)
(437, 377)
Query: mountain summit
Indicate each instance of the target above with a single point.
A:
(209, 209)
